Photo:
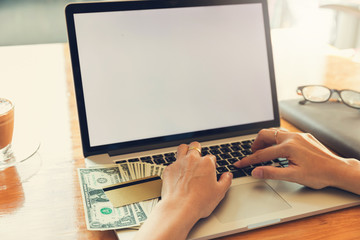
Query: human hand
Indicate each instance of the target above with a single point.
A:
(310, 163)
(190, 191)
(191, 180)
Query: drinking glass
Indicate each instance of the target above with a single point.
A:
(6, 133)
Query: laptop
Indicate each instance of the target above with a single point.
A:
(150, 75)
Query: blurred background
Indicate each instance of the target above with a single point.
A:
(42, 21)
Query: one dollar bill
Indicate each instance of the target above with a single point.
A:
(99, 212)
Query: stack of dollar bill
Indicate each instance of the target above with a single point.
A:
(99, 212)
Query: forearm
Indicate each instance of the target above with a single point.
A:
(167, 221)
(346, 176)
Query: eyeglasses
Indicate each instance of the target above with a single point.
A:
(321, 94)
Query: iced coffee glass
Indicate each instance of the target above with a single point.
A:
(6, 133)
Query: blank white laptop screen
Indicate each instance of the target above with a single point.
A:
(151, 73)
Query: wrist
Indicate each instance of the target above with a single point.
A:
(184, 212)
(174, 216)
(345, 174)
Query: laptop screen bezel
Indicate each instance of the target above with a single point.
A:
(164, 141)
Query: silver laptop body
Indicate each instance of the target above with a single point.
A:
(150, 75)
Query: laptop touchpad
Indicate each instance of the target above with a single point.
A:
(249, 200)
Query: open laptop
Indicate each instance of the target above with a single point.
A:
(150, 75)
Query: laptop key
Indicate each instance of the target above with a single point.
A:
(236, 154)
(246, 142)
(170, 159)
(276, 160)
(225, 145)
(219, 173)
(236, 148)
(232, 168)
(134, 160)
(246, 146)
(238, 173)
(215, 151)
(248, 170)
(204, 152)
(159, 161)
(232, 160)
(169, 154)
(246, 152)
(222, 163)
(225, 149)
(148, 161)
(214, 147)
(283, 160)
(225, 156)
(120, 161)
(267, 163)
(221, 170)
(284, 164)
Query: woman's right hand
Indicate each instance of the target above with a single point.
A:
(310, 163)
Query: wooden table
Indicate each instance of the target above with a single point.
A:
(49, 205)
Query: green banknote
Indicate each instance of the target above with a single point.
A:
(99, 212)
(140, 213)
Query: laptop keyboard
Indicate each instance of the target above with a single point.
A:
(226, 155)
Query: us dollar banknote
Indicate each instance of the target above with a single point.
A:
(99, 212)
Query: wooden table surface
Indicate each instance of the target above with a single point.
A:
(49, 205)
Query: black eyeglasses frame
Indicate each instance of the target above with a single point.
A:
(299, 91)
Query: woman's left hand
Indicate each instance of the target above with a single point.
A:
(190, 191)
(192, 179)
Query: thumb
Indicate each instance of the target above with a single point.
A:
(225, 181)
(271, 172)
